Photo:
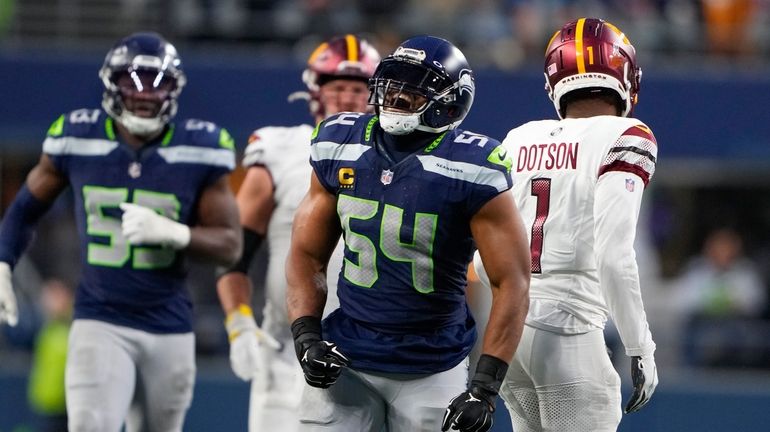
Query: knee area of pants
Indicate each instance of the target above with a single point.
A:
(182, 383)
(84, 421)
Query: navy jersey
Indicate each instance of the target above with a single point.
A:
(408, 242)
(142, 287)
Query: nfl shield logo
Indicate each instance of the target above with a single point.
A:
(386, 177)
(135, 170)
(630, 185)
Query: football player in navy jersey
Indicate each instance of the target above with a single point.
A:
(277, 177)
(146, 190)
(412, 196)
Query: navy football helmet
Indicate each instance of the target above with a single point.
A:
(426, 85)
(143, 77)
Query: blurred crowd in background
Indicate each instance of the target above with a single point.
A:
(707, 295)
(504, 34)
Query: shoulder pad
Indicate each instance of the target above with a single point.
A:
(641, 130)
(205, 134)
(86, 123)
(344, 127)
(480, 149)
(274, 142)
(634, 151)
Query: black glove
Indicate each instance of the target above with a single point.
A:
(321, 361)
(644, 375)
(472, 410)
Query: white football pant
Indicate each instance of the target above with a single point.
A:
(368, 402)
(116, 374)
(562, 383)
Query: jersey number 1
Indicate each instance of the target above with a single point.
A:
(541, 188)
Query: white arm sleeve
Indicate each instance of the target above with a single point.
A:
(616, 211)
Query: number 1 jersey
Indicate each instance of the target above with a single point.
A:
(578, 185)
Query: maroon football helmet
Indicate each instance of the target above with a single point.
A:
(341, 57)
(591, 53)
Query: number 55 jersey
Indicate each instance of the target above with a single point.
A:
(406, 228)
(578, 184)
(138, 286)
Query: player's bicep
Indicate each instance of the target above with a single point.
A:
(45, 182)
(500, 237)
(316, 228)
(217, 207)
(255, 199)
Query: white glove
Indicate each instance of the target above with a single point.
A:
(246, 339)
(142, 225)
(8, 310)
(644, 375)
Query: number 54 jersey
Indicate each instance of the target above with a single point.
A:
(567, 174)
(408, 242)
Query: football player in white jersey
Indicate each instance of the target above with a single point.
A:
(578, 183)
(277, 177)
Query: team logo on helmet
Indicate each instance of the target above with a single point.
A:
(465, 83)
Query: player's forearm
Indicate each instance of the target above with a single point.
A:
(223, 245)
(19, 224)
(620, 285)
(510, 304)
(234, 289)
(304, 301)
(306, 289)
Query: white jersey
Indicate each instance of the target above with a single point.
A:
(285, 153)
(578, 184)
(277, 390)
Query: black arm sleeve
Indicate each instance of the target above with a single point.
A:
(252, 240)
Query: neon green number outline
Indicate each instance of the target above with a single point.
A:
(118, 251)
(95, 200)
(348, 208)
(419, 253)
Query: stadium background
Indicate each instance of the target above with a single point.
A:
(705, 98)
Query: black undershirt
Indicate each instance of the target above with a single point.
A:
(396, 148)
